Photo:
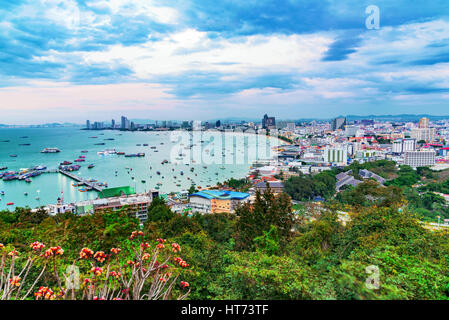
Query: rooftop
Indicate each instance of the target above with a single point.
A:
(220, 194)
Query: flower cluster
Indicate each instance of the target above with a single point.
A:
(100, 256)
(116, 250)
(136, 234)
(99, 298)
(181, 262)
(54, 251)
(1, 246)
(86, 253)
(144, 245)
(115, 274)
(13, 253)
(96, 271)
(146, 257)
(160, 244)
(45, 293)
(15, 281)
(184, 284)
(175, 247)
(37, 246)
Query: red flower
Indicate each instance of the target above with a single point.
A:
(1, 246)
(144, 245)
(136, 234)
(96, 271)
(13, 253)
(160, 246)
(44, 292)
(176, 247)
(15, 281)
(54, 251)
(86, 253)
(37, 246)
(99, 298)
(115, 274)
(116, 250)
(100, 256)
(160, 240)
(184, 284)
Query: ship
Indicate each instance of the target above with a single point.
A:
(90, 166)
(65, 163)
(50, 150)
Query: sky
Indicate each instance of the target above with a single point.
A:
(72, 60)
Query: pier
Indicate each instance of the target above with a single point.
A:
(92, 185)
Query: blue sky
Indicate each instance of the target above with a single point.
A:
(180, 59)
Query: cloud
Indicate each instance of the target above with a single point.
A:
(303, 56)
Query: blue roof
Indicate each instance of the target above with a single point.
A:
(221, 194)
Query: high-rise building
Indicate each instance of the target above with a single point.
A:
(218, 124)
(338, 123)
(196, 125)
(336, 155)
(404, 145)
(123, 123)
(112, 123)
(423, 123)
(87, 124)
(423, 134)
(268, 122)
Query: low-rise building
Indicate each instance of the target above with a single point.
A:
(214, 201)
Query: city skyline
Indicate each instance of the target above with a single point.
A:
(299, 59)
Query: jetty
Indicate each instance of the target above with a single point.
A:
(93, 185)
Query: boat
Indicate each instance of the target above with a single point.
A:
(90, 166)
(100, 144)
(158, 173)
(25, 193)
(120, 153)
(80, 160)
(145, 144)
(66, 163)
(81, 157)
(84, 151)
(3, 168)
(10, 203)
(143, 181)
(28, 180)
(13, 155)
(24, 144)
(50, 150)
(2, 193)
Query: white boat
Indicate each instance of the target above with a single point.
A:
(50, 150)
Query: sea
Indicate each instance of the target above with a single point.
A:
(173, 161)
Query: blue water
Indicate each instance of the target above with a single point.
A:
(111, 168)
